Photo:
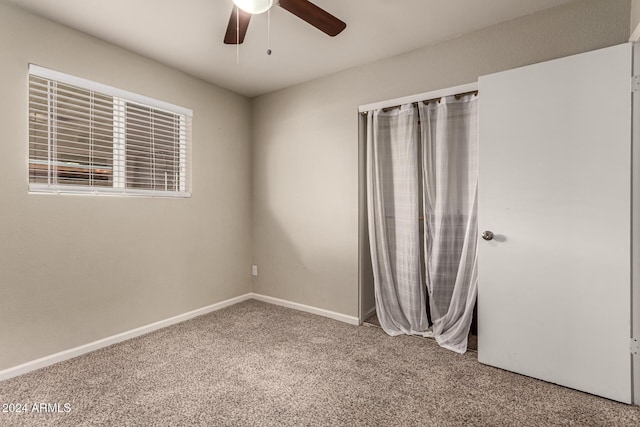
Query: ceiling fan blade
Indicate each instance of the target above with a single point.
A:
(239, 21)
(319, 18)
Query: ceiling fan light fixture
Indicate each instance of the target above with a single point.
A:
(254, 7)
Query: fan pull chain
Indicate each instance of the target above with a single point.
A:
(269, 32)
(237, 35)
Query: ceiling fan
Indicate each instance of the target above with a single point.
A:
(303, 9)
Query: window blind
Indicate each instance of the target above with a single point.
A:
(88, 137)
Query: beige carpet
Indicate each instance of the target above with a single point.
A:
(255, 364)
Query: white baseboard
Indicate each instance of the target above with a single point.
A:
(105, 342)
(307, 308)
(114, 339)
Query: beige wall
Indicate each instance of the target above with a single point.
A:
(635, 14)
(305, 143)
(74, 269)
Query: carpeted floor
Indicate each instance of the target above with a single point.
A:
(255, 364)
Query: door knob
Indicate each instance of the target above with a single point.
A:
(487, 235)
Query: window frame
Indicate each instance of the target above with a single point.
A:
(120, 99)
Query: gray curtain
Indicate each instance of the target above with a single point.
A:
(393, 180)
(424, 155)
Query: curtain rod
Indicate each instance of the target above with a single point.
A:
(426, 101)
(469, 87)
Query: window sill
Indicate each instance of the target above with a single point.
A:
(106, 191)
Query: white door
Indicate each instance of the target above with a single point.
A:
(554, 188)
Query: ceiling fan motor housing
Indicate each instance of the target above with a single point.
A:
(303, 9)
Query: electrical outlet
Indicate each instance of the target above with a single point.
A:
(254, 270)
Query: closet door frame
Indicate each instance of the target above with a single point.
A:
(635, 227)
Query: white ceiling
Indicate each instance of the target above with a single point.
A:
(188, 34)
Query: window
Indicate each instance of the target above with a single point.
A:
(85, 137)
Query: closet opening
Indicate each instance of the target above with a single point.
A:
(418, 160)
